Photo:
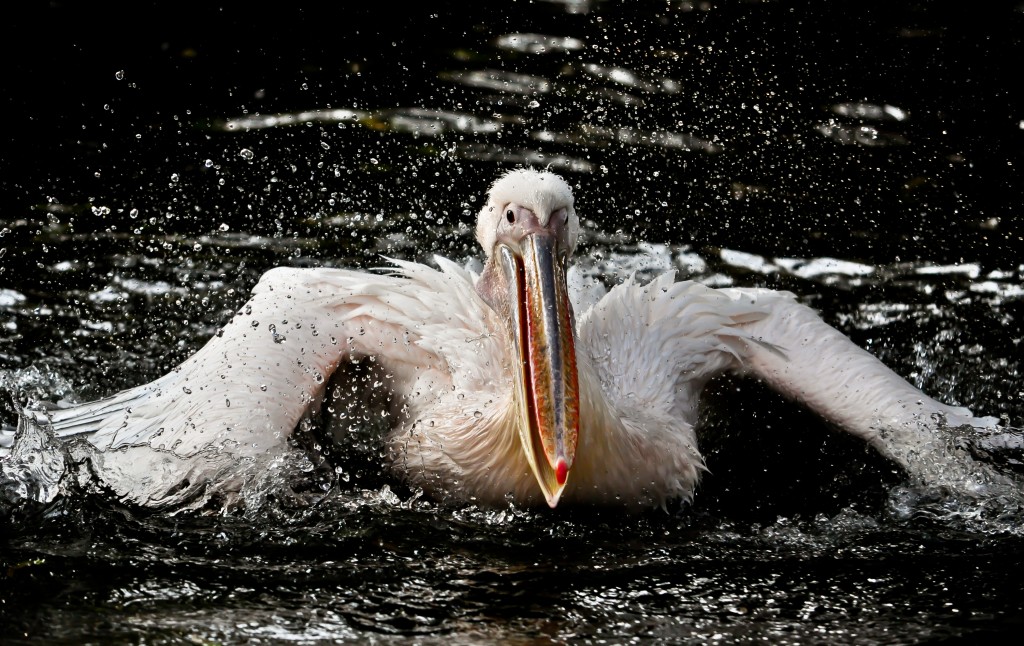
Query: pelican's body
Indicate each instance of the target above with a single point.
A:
(488, 402)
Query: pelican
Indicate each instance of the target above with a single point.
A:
(497, 388)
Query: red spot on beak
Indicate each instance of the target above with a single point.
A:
(561, 471)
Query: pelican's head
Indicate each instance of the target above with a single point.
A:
(528, 229)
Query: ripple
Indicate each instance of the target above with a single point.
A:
(814, 267)
(871, 111)
(602, 136)
(500, 80)
(970, 270)
(126, 286)
(1002, 290)
(538, 43)
(433, 123)
(859, 135)
(495, 153)
(260, 122)
(749, 261)
(574, 6)
(631, 79)
(11, 298)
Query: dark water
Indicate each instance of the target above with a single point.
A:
(158, 159)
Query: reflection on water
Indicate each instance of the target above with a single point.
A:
(355, 568)
(256, 122)
(863, 164)
(538, 43)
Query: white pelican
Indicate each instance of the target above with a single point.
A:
(498, 390)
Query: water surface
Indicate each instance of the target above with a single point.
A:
(864, 157)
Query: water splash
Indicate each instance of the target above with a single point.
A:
(31, 475)
(970, 479)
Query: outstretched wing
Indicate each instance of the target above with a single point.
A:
(247, 389)
(657, 345)
(801, 356)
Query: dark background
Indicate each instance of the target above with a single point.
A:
(954, 69)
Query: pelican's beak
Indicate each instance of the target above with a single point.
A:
(542, 324)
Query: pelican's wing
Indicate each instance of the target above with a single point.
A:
(246, 390)
(657, 345)
(652, 348)
(792, 350)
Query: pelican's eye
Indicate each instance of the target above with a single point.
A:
(510, 216)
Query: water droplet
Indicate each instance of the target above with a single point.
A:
(119, 75)
(477, 414)
(278, 338)
(187, 390)
(263, 387)
(246, 154)
(227, 402)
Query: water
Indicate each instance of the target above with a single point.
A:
(864, 157)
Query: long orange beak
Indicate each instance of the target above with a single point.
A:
(548, 384)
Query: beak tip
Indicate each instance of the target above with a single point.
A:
(561, 471)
